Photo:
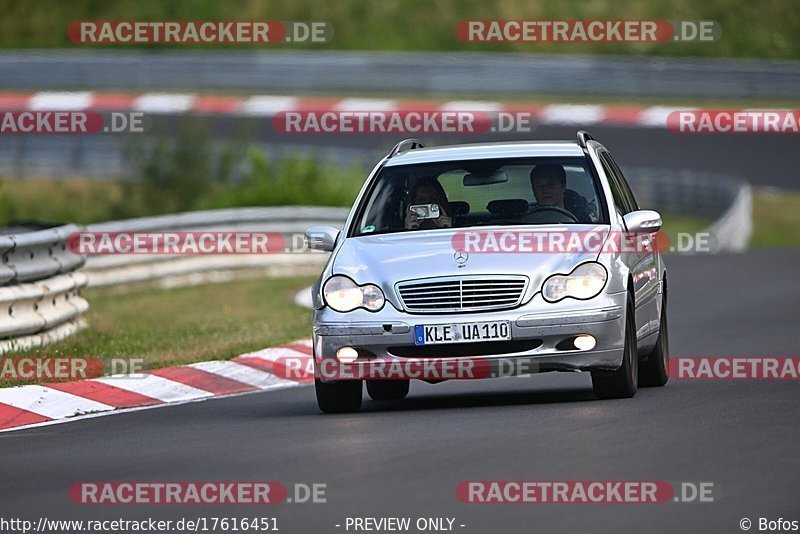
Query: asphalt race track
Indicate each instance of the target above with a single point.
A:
(405, 459)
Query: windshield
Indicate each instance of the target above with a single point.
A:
(460, 194)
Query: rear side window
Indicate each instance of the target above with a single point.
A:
(621, 201)
(626, 190)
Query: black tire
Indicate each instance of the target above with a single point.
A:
(621, 384)
(384, 390)
(654, 371)
(339, 397)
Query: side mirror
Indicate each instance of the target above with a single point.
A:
(321, 238)
(642, 221)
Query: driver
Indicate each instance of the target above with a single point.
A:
(549, 182)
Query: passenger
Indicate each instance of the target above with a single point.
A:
(425, 192)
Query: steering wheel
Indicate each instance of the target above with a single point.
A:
(553, 209)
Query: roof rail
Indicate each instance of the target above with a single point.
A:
(415, 143)
(584, 136)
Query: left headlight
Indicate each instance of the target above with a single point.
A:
(584, 282)
(344, 295)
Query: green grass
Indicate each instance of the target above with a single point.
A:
(776, 218)
(184, 325)
(78, 200)
(760, 29)
(675, 224)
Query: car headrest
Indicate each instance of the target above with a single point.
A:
(459, 207)
(574, 201)
(509, 206)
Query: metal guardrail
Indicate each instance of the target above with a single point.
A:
(291, 221)
(39, 288)
(413, 72)
(732, 231)
(723, 199)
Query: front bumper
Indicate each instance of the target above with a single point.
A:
(537, 328)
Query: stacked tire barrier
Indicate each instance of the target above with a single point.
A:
(39, 287)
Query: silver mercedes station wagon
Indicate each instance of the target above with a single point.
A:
(490, 260)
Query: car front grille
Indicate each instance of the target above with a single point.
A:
(466, 293)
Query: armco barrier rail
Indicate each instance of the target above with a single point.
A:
(723, 199)
(39, 299)
(291, 221)
(726, 200)
(411, 72)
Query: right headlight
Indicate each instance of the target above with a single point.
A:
(344, 295)
(584, 282)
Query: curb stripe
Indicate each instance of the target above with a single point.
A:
(50, 402)
(622, 115)
(267, 106)
(217, 104)
(112, 101)
(11, 416)
(244, 373)
(97, 391)
(156, 387)
(164, 103)
(271, 105)
(281, 369)
(305, 349)
(366, 104)
(197, 378)
(572, 114)
(14, 100)
(67, 101)
(274, 354)
(283, 361)
(267, 369)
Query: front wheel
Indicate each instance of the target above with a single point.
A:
(622, 383)
(384, 390)
(338, 397)
(654, 371)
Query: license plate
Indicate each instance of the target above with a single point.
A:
(462, 332)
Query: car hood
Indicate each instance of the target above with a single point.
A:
(390, 258)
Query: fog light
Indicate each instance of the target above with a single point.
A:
(348, 354)
(585, 342)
